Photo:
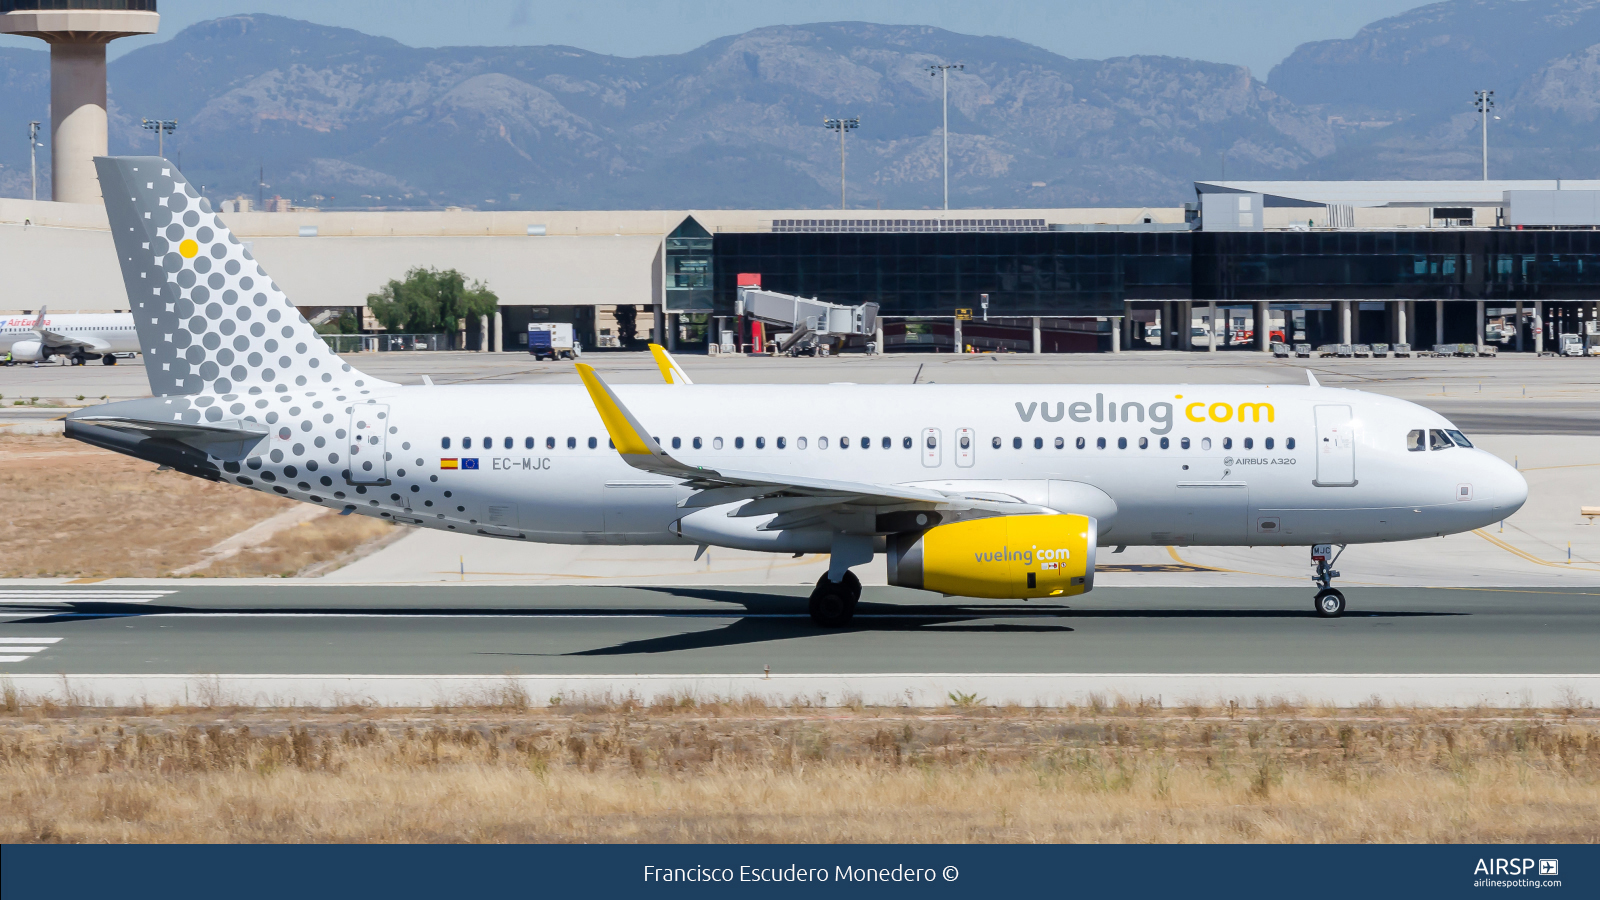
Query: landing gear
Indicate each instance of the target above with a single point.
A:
(1330, 602)
(833, 605)
(108, 360)
(78, 359)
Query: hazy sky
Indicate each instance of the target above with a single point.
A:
(1254, 33)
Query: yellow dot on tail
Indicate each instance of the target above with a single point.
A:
(188, 249)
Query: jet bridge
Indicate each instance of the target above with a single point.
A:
(812, 322)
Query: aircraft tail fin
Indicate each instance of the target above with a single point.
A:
(209, 319)
(38, 324)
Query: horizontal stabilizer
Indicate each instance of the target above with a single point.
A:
(225, 439)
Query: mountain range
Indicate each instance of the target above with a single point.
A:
(341, 119)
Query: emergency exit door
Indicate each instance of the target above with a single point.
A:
(932, 453)
(369, 439)
(1336, 447)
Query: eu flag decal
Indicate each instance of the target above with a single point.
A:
(469, 463)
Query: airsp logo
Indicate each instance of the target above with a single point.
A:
(1549, 867)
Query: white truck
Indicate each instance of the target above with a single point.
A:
(553, 340)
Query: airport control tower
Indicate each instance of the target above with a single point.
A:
(78, 32)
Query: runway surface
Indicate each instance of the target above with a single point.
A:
(607, 630)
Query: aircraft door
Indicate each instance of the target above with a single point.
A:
(1336, 447)
(368, 443)
(932, 453)
(966, 445)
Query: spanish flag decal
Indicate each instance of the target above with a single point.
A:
(449, 464)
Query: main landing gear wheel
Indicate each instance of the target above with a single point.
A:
(1330, 603)
(108, 360)
(833, 605)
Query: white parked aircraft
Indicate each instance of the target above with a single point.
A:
(999, 491)
(78, 337)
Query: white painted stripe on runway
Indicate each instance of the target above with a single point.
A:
(4, 659)
(27, 640)
(13, 649)
(923, 690)
(80, 592)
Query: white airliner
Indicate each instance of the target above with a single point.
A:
(996, 491)
(78, 337)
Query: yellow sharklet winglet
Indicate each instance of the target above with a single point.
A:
(626, 433)
(671, 372)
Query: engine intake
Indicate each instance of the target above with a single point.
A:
(998, 558)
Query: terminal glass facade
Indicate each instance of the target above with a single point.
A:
(933, 274)
(689, 267)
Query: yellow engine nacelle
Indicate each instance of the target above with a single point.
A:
(999, 558)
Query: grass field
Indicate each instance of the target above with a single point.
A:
(78, 511)
(748, 773)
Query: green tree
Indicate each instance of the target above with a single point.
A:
(430, 302)
(627, 316)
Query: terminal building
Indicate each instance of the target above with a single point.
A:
(1514, 263)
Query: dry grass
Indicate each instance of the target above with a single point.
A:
(680, 773)
(78, 511)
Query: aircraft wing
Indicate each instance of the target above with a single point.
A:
(671, 372)
(57, 339)
(793, 495)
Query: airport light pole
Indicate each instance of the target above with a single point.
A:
(33, 156)
(842, 126)
(1485, 103)
(162, 128)
(943, 71)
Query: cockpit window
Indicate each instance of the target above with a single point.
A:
(1438, 440)
(1414, 441)
(1459, 438)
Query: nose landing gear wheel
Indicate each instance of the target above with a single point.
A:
(833, 605)
(1330, 603)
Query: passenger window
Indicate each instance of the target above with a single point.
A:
(572, 443)
(1144, 443)
(1438, 440)
(1459, 438)
(445, 443)
(996, 442)
(1165, 443)
(1122, 443)
(1100, 442)
(822, 443)
(1205, 443)
(716, 443)
(1061, 443)
(1227, 443)
(1289, 442)
(466, 443)
(1079, 443)
(677, 442)
(594, 443)
(508, 443)
(527, 443)
(1183, 443)
(782, 443)
(1038, 443)
(1249, 443)
(800, 443)
(549, 443)
(761, 443)
(844, 443)
(610, 444)
(888, 442)
(866, 443)
(1016, 443)
(488, 443)
(738, 443)
(1269, 443)
(905, 442)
